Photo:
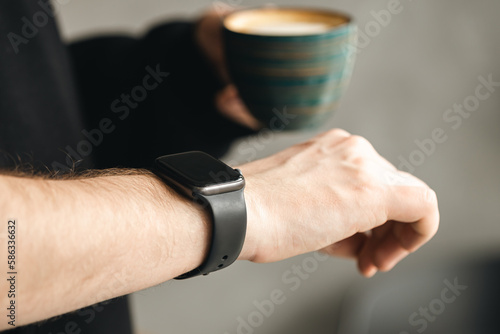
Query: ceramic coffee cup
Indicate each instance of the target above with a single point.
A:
(290, 65)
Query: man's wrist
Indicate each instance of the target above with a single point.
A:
(194, 228)
(255, 215)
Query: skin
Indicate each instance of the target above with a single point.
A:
(208, 36)
(87, 239)
(346, 190)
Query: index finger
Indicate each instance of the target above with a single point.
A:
(417, 206)
(412, 220)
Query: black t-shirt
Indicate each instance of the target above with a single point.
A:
(102, 102)
(39, 112)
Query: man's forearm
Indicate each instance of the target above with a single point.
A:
(85, 240)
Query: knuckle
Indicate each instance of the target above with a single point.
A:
(430, 197)
(429, 201)
(358, 141)
(432, 201)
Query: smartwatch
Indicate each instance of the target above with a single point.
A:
(218, 188)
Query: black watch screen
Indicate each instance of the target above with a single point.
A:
(197, 169)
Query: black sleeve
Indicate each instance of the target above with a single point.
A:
(150, 96)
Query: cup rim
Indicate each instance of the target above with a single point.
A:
(349, 20)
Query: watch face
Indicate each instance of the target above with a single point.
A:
(197, 169)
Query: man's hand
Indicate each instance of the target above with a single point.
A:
(335, 193)
(210, 40)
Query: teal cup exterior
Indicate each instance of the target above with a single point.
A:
(292, 82)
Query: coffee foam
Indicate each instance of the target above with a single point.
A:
(289, 29)
(283, 21)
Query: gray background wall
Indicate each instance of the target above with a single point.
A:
(427, 59)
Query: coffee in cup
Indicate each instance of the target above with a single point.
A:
(290, 65)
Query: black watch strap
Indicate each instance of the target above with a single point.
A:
(229, 219)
